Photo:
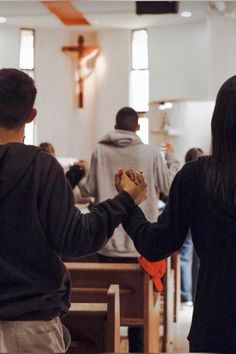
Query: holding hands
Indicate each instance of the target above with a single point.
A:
(133, 183)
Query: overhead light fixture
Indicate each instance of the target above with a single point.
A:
(186, 14)
(3, 19)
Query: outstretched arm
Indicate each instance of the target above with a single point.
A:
(158, 240)
(71, 233)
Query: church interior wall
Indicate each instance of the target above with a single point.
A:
(187, 63)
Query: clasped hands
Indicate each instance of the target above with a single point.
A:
(133, 183)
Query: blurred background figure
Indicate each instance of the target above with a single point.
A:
(48, 147)
(188, 258)
(74, 173)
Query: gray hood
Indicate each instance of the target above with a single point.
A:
(121, 138)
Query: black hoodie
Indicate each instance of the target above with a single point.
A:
(38, 224)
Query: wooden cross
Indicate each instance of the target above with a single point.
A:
(86, 54)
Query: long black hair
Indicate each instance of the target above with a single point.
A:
(221, 168)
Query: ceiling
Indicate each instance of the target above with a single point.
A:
(108, 14)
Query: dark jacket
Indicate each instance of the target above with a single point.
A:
(38, 224)
(213, 228)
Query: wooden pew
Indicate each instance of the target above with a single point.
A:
(175, 265)
(168, 310)
(139, 304)
(95, 327)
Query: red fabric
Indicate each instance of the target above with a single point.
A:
(155, 269)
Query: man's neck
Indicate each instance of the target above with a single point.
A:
(11, 135)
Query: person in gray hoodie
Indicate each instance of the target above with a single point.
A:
(123, 148)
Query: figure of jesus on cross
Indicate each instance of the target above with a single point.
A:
(85, 61)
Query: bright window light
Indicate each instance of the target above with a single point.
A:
(139, 80)
(27, 49)
(29, 134)
(143, 132)
(139, 94)
(140, 50)
(26, 63)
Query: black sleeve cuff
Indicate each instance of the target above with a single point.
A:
(125, 199)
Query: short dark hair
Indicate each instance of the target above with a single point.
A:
(47, 147)
(17, 96)
(193, 154)
(127, 119)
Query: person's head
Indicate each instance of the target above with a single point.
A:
(47, 147)
(127, 119)
(193, 154)
(223, 124)
(17, 96)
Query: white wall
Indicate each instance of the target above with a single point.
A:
(178, 57)
(60, 121)
(113, 77)
(222, 51)
(73, 131)
(54, 98)
(9, 47)
(190, 61)
(187, 61)
(191, 120)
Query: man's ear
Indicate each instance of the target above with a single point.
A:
(32, 115)
(138, 127)
(115, 126)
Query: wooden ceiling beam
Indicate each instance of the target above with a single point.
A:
(66, 12)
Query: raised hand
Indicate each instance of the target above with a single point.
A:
(138, 192)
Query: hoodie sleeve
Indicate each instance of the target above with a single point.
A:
(158, 240)
(87, 185)
(165, 172)
(71, 233)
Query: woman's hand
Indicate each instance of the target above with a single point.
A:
(137, 191)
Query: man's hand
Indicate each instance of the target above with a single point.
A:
(138, 192)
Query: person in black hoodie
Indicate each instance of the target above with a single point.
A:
(203, 199)
(38, 224)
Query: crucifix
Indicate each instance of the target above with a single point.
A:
(86, 57)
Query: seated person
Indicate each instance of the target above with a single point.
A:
(75, 172)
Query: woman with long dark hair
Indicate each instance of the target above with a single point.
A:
(202, 198)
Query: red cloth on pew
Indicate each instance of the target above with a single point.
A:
(155, 269)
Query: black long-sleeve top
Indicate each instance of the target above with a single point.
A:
(38, 224)
(213, 228)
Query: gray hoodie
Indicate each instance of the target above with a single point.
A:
(124, 149)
